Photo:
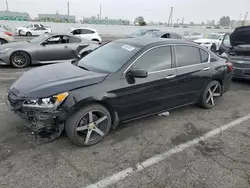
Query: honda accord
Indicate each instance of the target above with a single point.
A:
(121, 81)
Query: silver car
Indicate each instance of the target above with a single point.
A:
(5, 35)
(46, 48)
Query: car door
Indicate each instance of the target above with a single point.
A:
(38, 31)
(87, 34)
(156, 92)
(56, 48)
(225, 44)
(193, 72)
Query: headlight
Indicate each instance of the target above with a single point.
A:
(46, 103)
(4, 50)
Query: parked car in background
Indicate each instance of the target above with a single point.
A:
(162, 34)
(121, 81)
(236, 47)
(35, 31)
(30, 26)
(86, 33)
(211, 41)
(47, 48)
(141, 32)
(192, 36)
(5, 36)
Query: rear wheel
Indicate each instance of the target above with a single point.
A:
(20, 60)
(28, 34)
(89, 125)
(211, 95)
(2, 41)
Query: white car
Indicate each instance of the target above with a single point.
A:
(211, 41)
(29, 26)
(35, 31)
(5, 36)
(192, 36)
(87, 33)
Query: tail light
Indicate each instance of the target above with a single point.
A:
(8, 33)
(229, 66)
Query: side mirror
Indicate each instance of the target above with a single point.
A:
(138, 73)
(44, 43)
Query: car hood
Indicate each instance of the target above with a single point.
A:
(205, 40)
(52, 79)
(240, 36)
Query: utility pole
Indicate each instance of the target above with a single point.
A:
(68, 12)
(7, 5)
(170, 19)
(100, 15)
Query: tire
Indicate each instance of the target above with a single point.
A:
(213, 48)
(2, 41)
(19, 32)
(20, 60)
(208, 99)
(89, 127)
(28, 34)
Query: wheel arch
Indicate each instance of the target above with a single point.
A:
(4, 40)
(23, 52)
(114, 114)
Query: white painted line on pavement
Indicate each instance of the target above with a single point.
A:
(158, 158)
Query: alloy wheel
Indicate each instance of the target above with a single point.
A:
(19, 60)
(92, 127)
(213, 94)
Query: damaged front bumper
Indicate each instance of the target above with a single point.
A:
(45, 124)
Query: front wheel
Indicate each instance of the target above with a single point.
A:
(28, 34)
(20, 60)
(89, 125)
(211, 95)
(213, 48)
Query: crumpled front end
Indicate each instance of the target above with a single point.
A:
(46, 124)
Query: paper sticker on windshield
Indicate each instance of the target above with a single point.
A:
(128, 47)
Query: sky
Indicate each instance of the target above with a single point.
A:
(152, 10)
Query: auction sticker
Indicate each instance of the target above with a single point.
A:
(128, 47)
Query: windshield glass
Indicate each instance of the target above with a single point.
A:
(38, 39)
(139, 32)
(108, 58)
(213, 36)
(153, 34)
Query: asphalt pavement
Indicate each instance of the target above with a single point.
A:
(190, 148)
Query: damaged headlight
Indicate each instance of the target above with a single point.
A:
(46, 103)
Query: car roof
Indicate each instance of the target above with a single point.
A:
(151, 41)
(83, 28)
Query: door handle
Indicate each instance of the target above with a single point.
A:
(206, 68)
(171, 76)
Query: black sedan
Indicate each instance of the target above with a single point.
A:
(47, 48)
(121, 81)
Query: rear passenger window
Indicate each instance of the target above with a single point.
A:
(204, 56)
(187, 55)
(155, 60)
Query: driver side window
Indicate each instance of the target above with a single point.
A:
(157, 59)
(58, 40)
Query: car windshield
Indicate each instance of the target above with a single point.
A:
(38, 39)
(109, 58)
(153, 34)
(213, 36)
(139, 32)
